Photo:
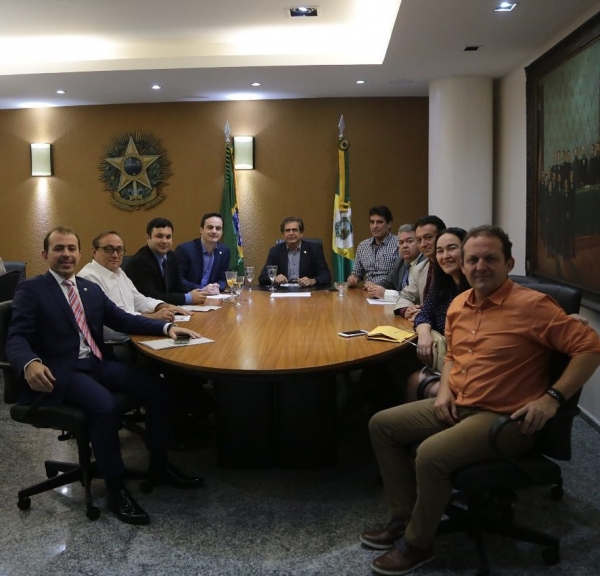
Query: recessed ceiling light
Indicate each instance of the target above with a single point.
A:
(505, 6)
(156, 87)
(61, 92)
(255, 84)
(303, 11)
(360, 81)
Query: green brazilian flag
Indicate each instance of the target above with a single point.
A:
(232, 237)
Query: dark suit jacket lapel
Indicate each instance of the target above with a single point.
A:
(57, 293)
(199, 259)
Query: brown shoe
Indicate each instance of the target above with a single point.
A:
(402, 559)
(384, 539)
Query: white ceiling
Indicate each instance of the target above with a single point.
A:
(113, 51)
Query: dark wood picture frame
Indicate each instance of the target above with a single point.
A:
(563, 163)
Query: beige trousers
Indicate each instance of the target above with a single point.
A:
(419, 490)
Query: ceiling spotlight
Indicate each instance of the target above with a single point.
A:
(505, 7)
(61, 92)
(255, 84)
(156, 87)
(303, 11)
(360, 81)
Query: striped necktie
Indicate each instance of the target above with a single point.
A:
(77, 307)
(404, 281)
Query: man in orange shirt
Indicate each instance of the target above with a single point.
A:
(499, 337)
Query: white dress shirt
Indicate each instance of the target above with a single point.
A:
(120, 289)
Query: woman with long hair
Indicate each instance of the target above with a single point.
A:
(448, 281)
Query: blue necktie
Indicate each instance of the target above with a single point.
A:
(404, 281)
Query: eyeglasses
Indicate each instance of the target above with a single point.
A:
(111, 249)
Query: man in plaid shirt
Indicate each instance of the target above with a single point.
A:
(375, 256)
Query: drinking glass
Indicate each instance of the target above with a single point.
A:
(341, 287)
(272, 272)
(230, 277)
(249, 270)
(236, 289)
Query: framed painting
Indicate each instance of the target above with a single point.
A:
(563, 163)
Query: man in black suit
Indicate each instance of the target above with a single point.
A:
(297, 261)
(55, 341)
(155, 271)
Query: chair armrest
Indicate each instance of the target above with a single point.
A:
(422, 388)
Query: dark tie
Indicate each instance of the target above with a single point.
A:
(404, 281)
(77, 308)
(165, 273)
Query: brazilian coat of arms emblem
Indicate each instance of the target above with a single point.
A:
(134, 169)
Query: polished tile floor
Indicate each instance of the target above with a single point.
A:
(270, 522)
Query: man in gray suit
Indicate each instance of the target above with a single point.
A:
(412, 296)
(389, 288)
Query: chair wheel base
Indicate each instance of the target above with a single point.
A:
(93, 513)
(24, 503)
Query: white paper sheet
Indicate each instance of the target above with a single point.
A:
(218, 296)
(290, 295)
(165, 343)
(199, 309)
(378, 301)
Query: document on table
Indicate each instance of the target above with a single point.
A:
(218, 296)
(197, 309)
(290, 295)
(378, 301)
(165, 343)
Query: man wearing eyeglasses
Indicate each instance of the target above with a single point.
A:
(105, 270)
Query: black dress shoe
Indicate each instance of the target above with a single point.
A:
(170, 476)
(122, 504)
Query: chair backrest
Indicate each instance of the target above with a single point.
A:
(12, 384)
(8, 284)
(315, 240)
(555, 440)
(16, 265)
(126, 260)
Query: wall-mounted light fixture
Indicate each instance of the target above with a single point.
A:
(41, 159)
(243, 152)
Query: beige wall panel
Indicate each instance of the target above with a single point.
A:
(296, 168)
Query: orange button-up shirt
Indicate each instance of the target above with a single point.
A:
(500, 348)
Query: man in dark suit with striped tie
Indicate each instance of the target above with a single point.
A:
(55, 341)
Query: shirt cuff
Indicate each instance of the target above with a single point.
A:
(391, 295)
(188, 298)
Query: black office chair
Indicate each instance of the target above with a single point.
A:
(71, 421)
(16, 265)
(8, 284)
(489, 487)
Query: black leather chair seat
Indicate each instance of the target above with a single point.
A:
(501, 474)
(63, 417)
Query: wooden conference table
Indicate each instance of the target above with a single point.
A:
(274, 362)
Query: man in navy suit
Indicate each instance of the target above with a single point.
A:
(203, 262)
(55, 341)
(154, 268)
(297, 261)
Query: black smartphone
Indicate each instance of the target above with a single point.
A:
(182, 339)
(353, 333)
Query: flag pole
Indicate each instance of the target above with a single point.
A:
(342, 238)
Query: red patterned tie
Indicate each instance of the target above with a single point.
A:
(77, 307)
